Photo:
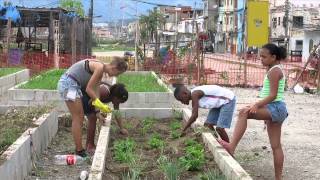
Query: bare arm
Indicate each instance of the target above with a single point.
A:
(95, 79)
(274, 76)
(117, 115)
(195, 96)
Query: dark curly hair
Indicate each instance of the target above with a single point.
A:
(119, 91)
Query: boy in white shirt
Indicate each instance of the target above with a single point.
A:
(219, 100)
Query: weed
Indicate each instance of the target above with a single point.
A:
(171, 170)
(123, 150)
(156, 142)
(47, 80)
(15, 122)
(141, 83)
(6, 71)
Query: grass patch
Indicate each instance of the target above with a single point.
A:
(47, 80)
(112, 47)
(14, 123)
(141, 83)
(6, 71)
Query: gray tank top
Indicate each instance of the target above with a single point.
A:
(80, 72)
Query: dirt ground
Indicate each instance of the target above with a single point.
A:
(61, 144)
(174, 148)
(300, 139)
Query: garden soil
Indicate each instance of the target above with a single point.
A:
(300, 138)
(174, 148)
(61, 144)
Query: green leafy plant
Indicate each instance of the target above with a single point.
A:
(147, 124)
(212, 175)
(190, 142)
(175, 125)
(171, 170)
(47, 80)
(194, 157)
(6, 71)
(123, 150)
(141, 83)
(156, 142)
(175, 134)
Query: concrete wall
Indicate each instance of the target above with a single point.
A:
(11, 80)
(149, 99)
(18, 157)
(227, 164)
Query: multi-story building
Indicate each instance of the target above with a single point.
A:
(302, 29)
(102, 31)
(224, 23)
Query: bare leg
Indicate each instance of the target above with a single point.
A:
(223, 134)
(241, 125)
(274, 133)
(76, 110)
(92, 119)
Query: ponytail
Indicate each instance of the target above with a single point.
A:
(279, 52)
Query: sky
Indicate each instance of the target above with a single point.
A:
(110, 9)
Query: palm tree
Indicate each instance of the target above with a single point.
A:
(149, 25)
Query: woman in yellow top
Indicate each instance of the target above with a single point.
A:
(86, 75)
(270, 108)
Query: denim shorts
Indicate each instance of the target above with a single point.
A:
(278, 111)
(67, 84)
(222, 117)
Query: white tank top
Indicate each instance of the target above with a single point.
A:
(214, 96)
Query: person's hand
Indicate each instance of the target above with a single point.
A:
(124, 131)
(101, 118)
(103, 107)
(253, 109)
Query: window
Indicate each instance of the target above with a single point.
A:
(279, 21)
(299, 45)
(274, 22)
(220, 3)
(297, 21)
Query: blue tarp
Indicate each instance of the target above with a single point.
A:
(10, 12)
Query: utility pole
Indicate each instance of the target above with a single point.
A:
(90, 25)
(287, 7)
(136, 41)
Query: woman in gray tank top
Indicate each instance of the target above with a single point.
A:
(86, 75)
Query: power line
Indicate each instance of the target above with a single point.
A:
(151, 3)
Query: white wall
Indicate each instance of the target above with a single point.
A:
(315, 36)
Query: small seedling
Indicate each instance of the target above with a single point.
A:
(147, 124)
(174, 125)
(123, 150)
(194, 158)
(171, 170)
(175, 134)
(156, 142)
(212, 175)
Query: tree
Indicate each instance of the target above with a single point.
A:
(148, 27)
(73, 5)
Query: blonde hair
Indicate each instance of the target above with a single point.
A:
(120, 63)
